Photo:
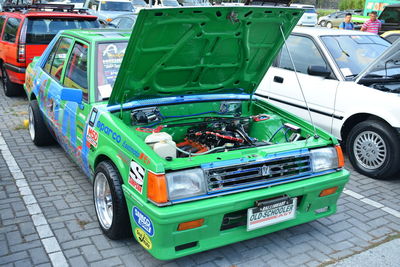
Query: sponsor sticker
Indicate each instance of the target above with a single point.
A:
(143, 221)
(92, 136)
(136, 174)
(143, 238)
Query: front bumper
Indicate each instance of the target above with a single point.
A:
(168, 243)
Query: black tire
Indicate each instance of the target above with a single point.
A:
(322, 23)
(329, 25)
(38, 131)
(119, 226)
(373, 148)
(10, 88)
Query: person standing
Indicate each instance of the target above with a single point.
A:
(347, 24)
(373, 25)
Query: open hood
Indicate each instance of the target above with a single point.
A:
(389, 60)
(201, 50)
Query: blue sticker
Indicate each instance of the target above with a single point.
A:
(143, 221)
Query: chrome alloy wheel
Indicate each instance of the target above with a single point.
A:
(103, 200)
(31, 124)
(370, 150)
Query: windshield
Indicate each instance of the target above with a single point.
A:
(109, 58)
(310, 10)
(353, 53)
(139, 3)
(170, 3)
(42, 31)
(390, 15)
(116, 6)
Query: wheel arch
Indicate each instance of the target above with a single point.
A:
(117, 163)
(354, 119)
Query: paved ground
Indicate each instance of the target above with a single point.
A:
(386, 254)
(47, 216)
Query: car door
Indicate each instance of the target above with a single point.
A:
(9, 45)
(280, 83)
(75, 115)
(338, 19)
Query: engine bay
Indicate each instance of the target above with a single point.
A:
(179, 131)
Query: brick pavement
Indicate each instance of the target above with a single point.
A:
(64, 195)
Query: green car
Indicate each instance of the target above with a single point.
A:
(165, 123)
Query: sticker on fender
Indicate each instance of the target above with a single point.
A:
(143, 238)
(268, 214)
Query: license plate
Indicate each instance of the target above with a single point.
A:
(309, 17)
(271, 212)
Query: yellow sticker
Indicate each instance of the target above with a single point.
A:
(143, 238)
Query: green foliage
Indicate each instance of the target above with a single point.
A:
(351, 4)
(324, 12)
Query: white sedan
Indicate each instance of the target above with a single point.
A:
(351, 82)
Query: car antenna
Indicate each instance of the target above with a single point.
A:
(316, 136)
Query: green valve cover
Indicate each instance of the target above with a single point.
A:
(183, 51)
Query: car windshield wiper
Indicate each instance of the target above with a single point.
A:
(351, 75)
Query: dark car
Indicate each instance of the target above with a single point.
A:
(390, 18)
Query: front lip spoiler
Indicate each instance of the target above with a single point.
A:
(14, 68)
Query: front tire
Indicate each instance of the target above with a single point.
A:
(10, 88)
(38, 131)
(322, 23)
(109, 201)
(374, 149)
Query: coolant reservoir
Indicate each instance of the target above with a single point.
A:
(162, 144)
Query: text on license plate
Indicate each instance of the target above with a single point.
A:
(268, 214)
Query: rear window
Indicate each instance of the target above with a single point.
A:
(42, 31)
(116, 6)
(390, 15)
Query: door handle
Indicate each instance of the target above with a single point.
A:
(278, 79)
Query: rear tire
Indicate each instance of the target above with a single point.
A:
(10, 88)
(38, 131)
(109, 202)
(374, 149)
(329, 25)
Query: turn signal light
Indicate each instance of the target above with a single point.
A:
(157, 187)
(340, 156)
(329, 191)
(190, 225)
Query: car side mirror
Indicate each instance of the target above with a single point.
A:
(320, 71)
(71, 94)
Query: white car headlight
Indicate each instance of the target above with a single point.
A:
(324, 159)
(186, 183)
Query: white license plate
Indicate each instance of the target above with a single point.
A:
(271, 212)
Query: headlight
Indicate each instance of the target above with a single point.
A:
(186, 183)
(324, 159)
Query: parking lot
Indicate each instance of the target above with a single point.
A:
(48, 218)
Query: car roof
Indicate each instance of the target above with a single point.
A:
(47, 14)
(321, 31)
(98, 35)
(394, 5)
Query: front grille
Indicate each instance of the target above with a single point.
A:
(257, 172)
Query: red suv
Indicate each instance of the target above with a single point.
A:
(25, 32)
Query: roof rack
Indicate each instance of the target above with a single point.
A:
(268, 2)
(43, 7)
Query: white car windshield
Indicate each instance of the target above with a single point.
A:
(170, 3)
(353, 53)
(116, 6)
